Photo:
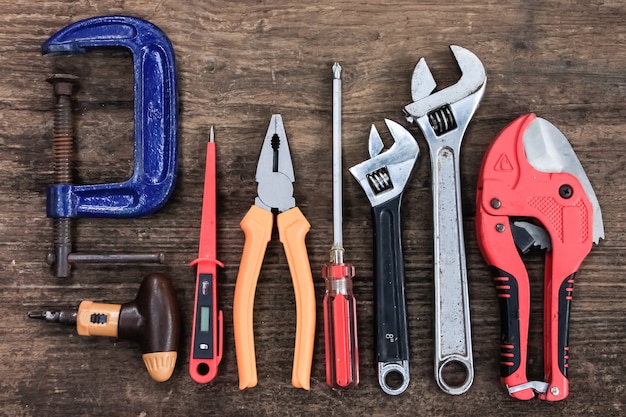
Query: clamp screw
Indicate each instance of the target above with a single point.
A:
(63, 153)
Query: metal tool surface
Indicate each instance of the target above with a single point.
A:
(383, 178)
(443, 117)
(533, 193)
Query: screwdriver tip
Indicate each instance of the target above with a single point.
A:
(212, 135)
(337, 70)
(37, 314)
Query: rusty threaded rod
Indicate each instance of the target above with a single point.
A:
(63, 86)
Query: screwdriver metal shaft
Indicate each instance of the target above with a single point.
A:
(340, 330)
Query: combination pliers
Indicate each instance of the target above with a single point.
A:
(275, 178)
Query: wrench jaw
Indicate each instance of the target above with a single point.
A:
(384, 176)
(445, 125)
(443, 116)
(473, 79)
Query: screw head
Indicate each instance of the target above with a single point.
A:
(495, 203)
(63, 84)
(555, 390)
(566, 191)
(500, 228)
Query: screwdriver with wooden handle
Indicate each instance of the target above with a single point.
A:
(340, 330)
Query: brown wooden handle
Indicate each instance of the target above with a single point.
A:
(153, 320)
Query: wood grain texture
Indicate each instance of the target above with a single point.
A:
(238, 62)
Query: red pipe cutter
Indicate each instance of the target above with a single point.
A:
(533, 192)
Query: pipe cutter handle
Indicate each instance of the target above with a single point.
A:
(155, 115)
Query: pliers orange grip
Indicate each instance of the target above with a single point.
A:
(275, 195)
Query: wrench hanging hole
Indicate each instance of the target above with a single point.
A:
(393, 377)
(442, 120)
(454, 377)
(394, 380)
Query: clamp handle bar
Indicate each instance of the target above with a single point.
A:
(155, 115)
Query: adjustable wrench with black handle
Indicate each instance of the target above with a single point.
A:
(383, 178)
(392, 334)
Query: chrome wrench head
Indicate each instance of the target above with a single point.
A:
(471, 83)
(385, 174)
(443, 117)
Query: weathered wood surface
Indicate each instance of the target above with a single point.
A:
(239, 62)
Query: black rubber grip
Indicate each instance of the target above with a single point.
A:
(565, 304)
(508, 296)
(391, 322)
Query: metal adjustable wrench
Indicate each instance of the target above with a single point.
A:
(383, 178)
(443, 117)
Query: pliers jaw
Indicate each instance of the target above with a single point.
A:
(274, 173)
(510, 186)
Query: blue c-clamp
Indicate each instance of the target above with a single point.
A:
(154, 171)
(155, 131)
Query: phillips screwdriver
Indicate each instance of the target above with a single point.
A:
(152, 319)
(340, 330)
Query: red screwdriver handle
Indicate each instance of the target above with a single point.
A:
(340, 330)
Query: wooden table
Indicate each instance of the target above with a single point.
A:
(239, 62)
